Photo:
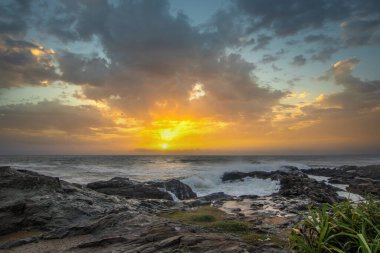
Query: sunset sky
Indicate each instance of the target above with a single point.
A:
(189, 77)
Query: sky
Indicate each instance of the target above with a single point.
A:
(189, 77)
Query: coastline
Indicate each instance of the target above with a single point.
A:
(41, 213)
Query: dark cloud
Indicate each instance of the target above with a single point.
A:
(12, 19)
(289, 17)
(320, 38)
(51, 115)
(299, 60)
(262, 42)
(268, 58)
(324, 54)
(80, 69)
(360, 32)
(360, 20)
(155, 56)
(24, 63)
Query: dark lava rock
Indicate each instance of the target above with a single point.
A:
(216, 196)
(150, 190)
(27, 180)
(181, 190)
(295, 185)
(128, 189)
(361, 180)
(33, 201)
(236, 175)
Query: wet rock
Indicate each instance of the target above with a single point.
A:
(369, 186)
(27, 180)
(33, 201)
(361, 180)
(129, 189)
(216, 196)
(181, 190)
(295, 185)
(236, 175)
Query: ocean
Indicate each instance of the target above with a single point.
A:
(201, 173)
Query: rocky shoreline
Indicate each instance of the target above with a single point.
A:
(45, 214)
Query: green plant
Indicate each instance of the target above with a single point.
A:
(343, 227)
(203, 218)
(232, 226)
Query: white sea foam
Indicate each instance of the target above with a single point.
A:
(343, 193)
(202, 173)
(248, 186)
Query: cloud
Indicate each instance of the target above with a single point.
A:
(262, 42)
(159, 58)
(51, 115)
(320, 38)
(12, 17)
(360, 20)
(346, 117)
(358, 96)
(25, 63)
(324, 54)
(299, 60)
(360, 32)
(286, 18)
(268, 58)
(81, 69)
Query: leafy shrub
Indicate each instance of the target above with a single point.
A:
(342, 227)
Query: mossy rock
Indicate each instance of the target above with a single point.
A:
(201, 215)
(203, 218)
(232, 226)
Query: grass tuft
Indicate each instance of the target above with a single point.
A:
(231, 226)
(203, 218)
(342, 227)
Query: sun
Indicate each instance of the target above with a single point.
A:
(164, 146)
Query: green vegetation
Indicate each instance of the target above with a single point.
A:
(203, 218)
(232, 226)
(215, 219)
(204, 215)
(342, 227)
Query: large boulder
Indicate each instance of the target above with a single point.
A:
(129, 189)
(148, 190)
(179, 189)
(27, 180)
(298, 185)
(29, 200)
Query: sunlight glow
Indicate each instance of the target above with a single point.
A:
(197, 92)
(176, 135)
(168, 134)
